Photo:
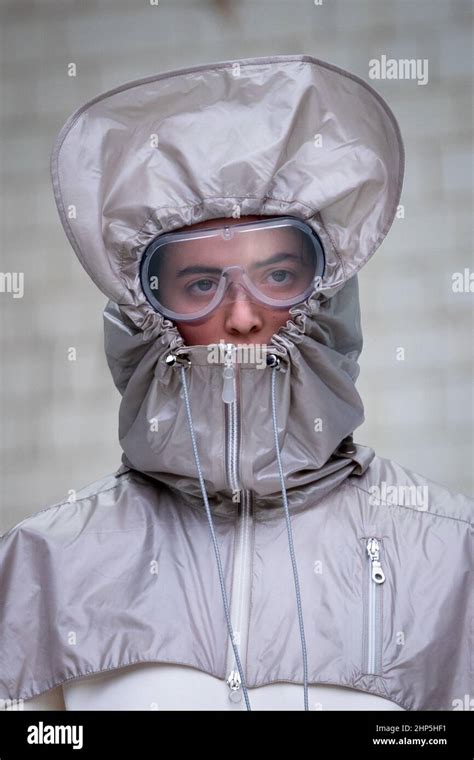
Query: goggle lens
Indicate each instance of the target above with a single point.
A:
(187, 275)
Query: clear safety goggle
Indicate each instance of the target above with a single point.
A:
(276, 262)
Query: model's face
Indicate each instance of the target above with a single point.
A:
(237, 320)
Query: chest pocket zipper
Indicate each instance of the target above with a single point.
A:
(374, 579)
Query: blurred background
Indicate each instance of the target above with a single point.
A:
(59, 419)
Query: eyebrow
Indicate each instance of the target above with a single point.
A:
(202, 269)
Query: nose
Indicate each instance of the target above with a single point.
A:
(242, 315)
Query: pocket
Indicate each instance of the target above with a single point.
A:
(373, 597)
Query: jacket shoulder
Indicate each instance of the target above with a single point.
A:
(389, 483)
(62, 513)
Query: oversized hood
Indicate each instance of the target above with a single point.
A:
(280, 135)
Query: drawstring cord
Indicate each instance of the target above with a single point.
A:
(214, 540)
(274, 362)
(290, 540)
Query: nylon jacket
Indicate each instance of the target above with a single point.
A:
(253, 540)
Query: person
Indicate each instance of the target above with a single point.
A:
(248, 553)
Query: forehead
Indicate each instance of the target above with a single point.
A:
(243, 248)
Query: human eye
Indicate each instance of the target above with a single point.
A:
(280, 277)
(204, 286)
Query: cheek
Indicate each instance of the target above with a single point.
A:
(200, 335)
(280, 318)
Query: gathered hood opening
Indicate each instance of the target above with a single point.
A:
(318, 403)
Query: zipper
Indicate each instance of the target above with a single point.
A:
(240, 600)
(241, 576)
(230, 397)
(229, 375)
(376, 578)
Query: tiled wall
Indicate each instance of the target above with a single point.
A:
(59, 419)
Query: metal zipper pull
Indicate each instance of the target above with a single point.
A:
(234, 682)
(174, 359)
(273, 360)
(373, 550)
(228, 389)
